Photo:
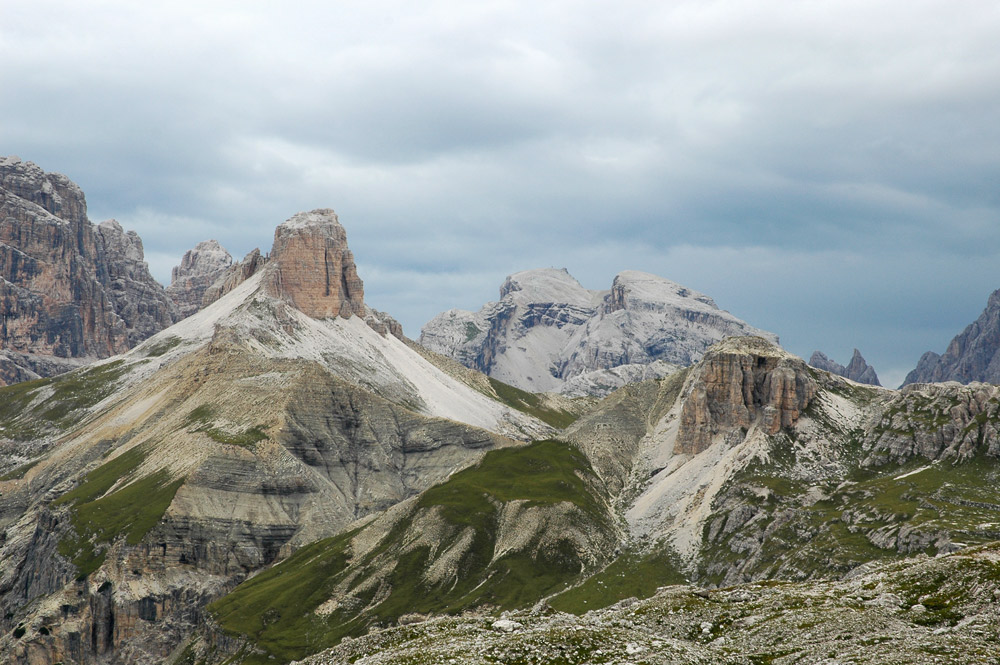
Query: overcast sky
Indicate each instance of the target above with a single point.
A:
(829, 171)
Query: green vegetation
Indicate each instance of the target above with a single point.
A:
(19, 472)
(543, 473)
(14, 402)
(72, 392)
(471, 331)
(277, 608)
(532, 404)
(81, 389)
(99, 518)
(204, 415)
(631, 575)
(902, 508)
(161, 347)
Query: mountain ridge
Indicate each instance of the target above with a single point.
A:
(548, 333)
(972, 355)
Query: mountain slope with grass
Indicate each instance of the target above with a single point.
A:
(523, 523)
(135, 491)
(750, 468)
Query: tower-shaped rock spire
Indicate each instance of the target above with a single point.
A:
(311, 266)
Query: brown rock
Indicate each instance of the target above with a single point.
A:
(311, 267)
(740, 383)
(233, 276)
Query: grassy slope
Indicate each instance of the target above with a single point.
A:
(631, 575)
(276, 608)
(20, 419)
(130, 512)
(532, 404)
(829, 537)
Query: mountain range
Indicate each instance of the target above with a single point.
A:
(548, 333)
(279, 474)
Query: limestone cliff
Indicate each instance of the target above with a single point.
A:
(135, 491)
(311, 266)
(233, 276)
(742, 383)
(68, 289)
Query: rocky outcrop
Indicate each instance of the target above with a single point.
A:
(68, 289)
(857, 370)
(973, 355)
(199, 269)
(877, 616)
(547, 329)
(383, 323)
(233, 276)
(742, 383)
(936, 422)
(311, 266)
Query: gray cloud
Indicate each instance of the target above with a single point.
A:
(825, 170)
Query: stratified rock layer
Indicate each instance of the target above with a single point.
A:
(740, 384)
(67, 288)
(857, 370)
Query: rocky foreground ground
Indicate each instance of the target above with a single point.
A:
(943, 610)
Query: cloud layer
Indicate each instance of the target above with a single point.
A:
(825, 170)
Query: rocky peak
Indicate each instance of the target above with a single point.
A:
(742, 382)
(640, 290)
(68, 288)
(233, 276)
(122, 248)
(546, 285)
(973, 355)
(547, 330)
(138, 298)
(857, 370)
(207, 257)
(199, 269)
(53, 192)
(311, 266)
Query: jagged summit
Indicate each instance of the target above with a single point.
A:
(69, 289)
(634, 287)
(857, 370)
(973, 355)
(548, 333)
(206, 257)
(198, 270)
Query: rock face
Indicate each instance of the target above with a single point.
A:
(973, 355)
(68, 289)
(311, 266)
(547, 330)
(233, 276)
(742, 383)
(199, 269)
(857, 370)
